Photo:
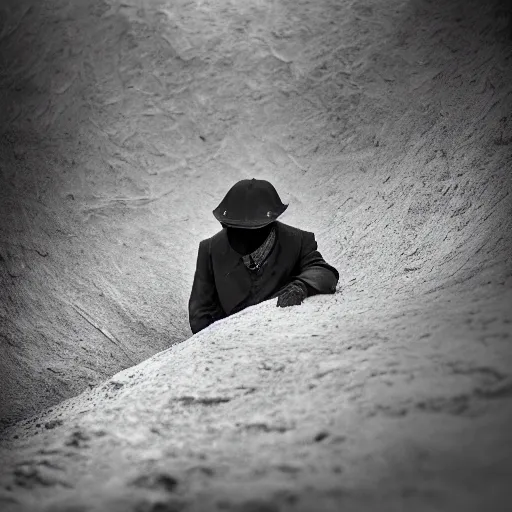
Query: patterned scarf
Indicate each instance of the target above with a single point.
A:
(254, 260)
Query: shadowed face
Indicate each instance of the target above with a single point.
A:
(245, 241)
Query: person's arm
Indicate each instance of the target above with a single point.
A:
(313, 270)
(312, 275)
(203, 306)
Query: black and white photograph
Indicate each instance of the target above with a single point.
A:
(255, 255)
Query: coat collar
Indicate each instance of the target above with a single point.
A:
(232, 276)
(229, 259)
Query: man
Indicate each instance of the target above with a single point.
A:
(255, 258)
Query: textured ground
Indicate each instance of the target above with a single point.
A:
(385, 125)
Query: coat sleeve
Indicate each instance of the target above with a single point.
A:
(204, 307)
(313, 270)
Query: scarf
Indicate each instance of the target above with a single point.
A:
(254, 260)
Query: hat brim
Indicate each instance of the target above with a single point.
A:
(246, 223)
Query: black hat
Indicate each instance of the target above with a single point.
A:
(250, 204)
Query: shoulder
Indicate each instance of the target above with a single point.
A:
(304, 240)
(290, 231)
(286, 229)
(218, 239)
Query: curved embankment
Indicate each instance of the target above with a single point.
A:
(387, 128)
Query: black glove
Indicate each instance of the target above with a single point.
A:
(292, 294)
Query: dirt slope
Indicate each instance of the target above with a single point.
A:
(386, 125)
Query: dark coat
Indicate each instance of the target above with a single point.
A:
(222, 281)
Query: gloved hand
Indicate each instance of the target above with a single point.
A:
(292, 294)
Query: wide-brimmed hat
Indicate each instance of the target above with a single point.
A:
(250, 204)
